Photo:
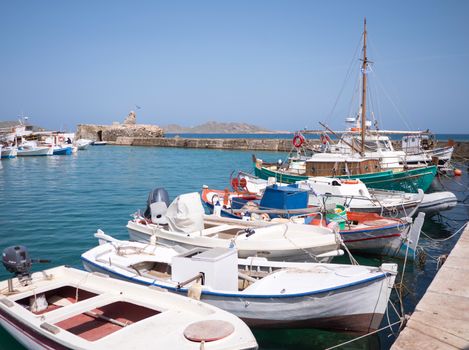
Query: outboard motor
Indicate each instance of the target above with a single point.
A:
(157, 203)
(16, 260)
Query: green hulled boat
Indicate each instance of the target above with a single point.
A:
(406, 180)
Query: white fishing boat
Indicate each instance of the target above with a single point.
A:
(9, 152)
(420, 149)
(361, 232)
(30, 148)
(261, 292)
(83, 144)
(99, 143)
(66, 308)
(185, 223)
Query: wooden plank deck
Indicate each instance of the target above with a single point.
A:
(441, 318)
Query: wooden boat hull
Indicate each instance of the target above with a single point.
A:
(406, 181)
(355, 307)
(93, 312)
(387, 240)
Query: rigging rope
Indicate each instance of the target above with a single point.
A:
(349, 71)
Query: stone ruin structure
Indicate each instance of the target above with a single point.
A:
(131, 119)
(119, 133)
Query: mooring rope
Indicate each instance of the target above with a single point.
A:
(365, 335)
(444, 239)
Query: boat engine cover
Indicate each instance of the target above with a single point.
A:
(158, 194)
(16, 260)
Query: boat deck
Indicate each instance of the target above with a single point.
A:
(441, 318)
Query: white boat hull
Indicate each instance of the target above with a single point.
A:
(159, 319)
(295, 246)
(10, 152)
(351, 309)
(293, 295)
(433, 203)
(40, 151)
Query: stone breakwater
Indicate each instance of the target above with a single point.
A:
(114, 132)
(461, 149)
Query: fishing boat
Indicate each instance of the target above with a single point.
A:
(359, 154)
(66, 308)
(61, 145)
(9, 152)
(30, 148)
(185, 223)
(420, 148)
(352, 194)
(83, 144)
(366, 233)
(263, 293)
(62, 150)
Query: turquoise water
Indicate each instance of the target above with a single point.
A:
(53, 205)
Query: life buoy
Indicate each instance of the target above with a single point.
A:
(243, 183)
(298, 141)
(234, 183)
(350, 182)
(61, 139)
(355, 129)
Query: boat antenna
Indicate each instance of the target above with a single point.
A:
(364, 68)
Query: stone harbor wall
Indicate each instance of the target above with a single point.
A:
(129, 129)
(461, 148)
(113, 132)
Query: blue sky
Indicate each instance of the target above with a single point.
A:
(276, 64)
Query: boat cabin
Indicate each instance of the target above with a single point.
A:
(417, 143)
(350, 166)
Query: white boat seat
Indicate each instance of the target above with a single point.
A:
(158, 213)
(216, 229)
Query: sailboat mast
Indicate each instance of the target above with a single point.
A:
(363, 116)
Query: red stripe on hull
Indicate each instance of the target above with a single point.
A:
(30, 333)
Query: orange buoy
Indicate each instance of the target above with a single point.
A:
(457, 172)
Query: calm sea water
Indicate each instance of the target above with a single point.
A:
(53, 205)
(440, 137)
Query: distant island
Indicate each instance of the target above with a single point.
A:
(212, 127)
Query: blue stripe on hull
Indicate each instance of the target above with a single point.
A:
(236, 295)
